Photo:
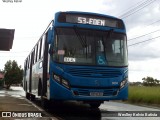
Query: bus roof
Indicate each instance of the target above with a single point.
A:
(88, 18)
(89, 13)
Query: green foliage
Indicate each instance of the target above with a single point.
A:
(135, 84)
(1, 82)
(13, 73)
(142, 94)
(149, 81)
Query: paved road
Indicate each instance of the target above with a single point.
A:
(128, 110)
(78, 111)
(13, 103)
(108, 110)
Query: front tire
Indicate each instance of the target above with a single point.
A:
(32, 97)
(44, 103)
(27, 95)
(95, 105)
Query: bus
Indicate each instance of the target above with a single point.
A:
(81, 56)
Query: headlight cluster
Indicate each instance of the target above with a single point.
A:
(123, 83)
(61, 81)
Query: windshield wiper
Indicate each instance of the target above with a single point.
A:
(109, 35)
(81, 39)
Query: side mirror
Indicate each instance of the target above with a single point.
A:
(51, 51)
(50, 36)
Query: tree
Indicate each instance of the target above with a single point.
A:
(149, 81)
(1, 77)
(13, 73)
(157, 81)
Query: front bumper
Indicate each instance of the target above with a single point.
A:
(59, 92)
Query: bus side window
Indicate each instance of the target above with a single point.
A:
(38, 49)
(42, 46)
(28, 61)
(35, 54)
(25, 65)
(32, 56)
(24, 72)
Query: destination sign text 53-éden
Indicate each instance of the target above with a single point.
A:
(84, 20)
(96, 20)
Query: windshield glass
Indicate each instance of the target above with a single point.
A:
(89, 47)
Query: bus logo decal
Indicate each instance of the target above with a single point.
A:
(97, 83)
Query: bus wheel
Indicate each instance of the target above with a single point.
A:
(27, 95)
(32, 97)
(39, 87)
(95, 105)
(44, 103)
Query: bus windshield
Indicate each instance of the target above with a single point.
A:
(89, 47)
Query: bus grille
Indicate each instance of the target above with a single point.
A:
(95, 73)
(106, 92)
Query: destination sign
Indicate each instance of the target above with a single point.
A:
(91, 20)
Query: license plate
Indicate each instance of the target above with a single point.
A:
(96, 93)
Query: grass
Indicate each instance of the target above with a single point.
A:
(141, 94)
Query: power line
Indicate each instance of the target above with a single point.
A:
(143, 35)
(137, 8)
(129, 8)
(152, 23)
(143, 41)
(147, 33)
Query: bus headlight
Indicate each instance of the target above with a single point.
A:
(61, 81)
(123, 83)
(65, 83)
(57, 78)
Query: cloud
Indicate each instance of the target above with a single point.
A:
(138, 24)
(142, 53)
(116, 7)
(149, 49)
(143, 17)
(136, 17)
(140, 69)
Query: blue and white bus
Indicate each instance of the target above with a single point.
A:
(81, 56)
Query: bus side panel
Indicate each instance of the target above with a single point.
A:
(26, 80)
(34, 79)
(40, 71)
(45, 67)
(36, 76)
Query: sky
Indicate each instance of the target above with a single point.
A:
(30, 18)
